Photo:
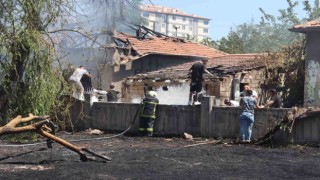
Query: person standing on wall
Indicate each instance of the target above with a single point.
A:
(274, 100)
(248, 103)
(196, 72)
(148, 114)
(112, 95)
(76, 83)
(86, 83)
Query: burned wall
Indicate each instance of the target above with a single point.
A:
(169, 91)
(230, 86)
(178, 89)
(147, 64)
(312, 72)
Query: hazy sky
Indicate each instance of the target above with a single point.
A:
(225, 14)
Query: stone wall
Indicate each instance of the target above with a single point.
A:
(177, 92)
(221, 88)
(255, 78)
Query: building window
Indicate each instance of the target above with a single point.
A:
(195, 20)
(145, 14)
(190, 28)
(183, 27)
(190, 20)
(205, 30)
(163, 16)
(158, 15)
(206, 22)
(183, 19)
(173, 18)
(163, 25)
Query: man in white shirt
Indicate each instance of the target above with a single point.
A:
(76, 83)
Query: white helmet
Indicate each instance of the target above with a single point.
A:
(152, 94)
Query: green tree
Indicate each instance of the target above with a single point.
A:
(231, 44)
(30, 68)
(29, 83)
(209, 42)
(271, 33)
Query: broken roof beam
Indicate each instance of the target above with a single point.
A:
(158, 34)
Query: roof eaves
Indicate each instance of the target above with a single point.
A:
(187, 15)
(171, 54)
(305, 29)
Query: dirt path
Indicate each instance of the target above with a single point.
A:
(160, 158)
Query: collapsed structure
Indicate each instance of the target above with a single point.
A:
(159, 60)
(151, 51)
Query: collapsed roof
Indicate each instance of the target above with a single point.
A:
(219, 66)
(151, 43)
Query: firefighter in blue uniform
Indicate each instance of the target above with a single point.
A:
(148, 114)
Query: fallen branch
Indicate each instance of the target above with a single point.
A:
(288, 122)
(202, 143)
(42, 129)
(209, 142)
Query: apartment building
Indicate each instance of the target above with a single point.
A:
(174, 22)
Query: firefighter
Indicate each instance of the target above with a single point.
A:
(148, 114)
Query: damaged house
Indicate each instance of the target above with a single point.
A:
(156, 59)
(150, 51)
(151, 58)
(231, 71)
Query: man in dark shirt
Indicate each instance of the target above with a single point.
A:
(112, 95)
(274, 100)
(86, 83)
(196, 72)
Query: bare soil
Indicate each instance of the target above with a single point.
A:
(159, 158)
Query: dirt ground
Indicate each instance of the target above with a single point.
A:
(159, 158)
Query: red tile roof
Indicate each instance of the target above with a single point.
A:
(169, 46)
(308, 26)
(228, 61)
(169, 10)
(218, 66)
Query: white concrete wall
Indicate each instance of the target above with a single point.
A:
(312, 73)
(186, 25)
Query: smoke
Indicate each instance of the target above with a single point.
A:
(95, 21)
